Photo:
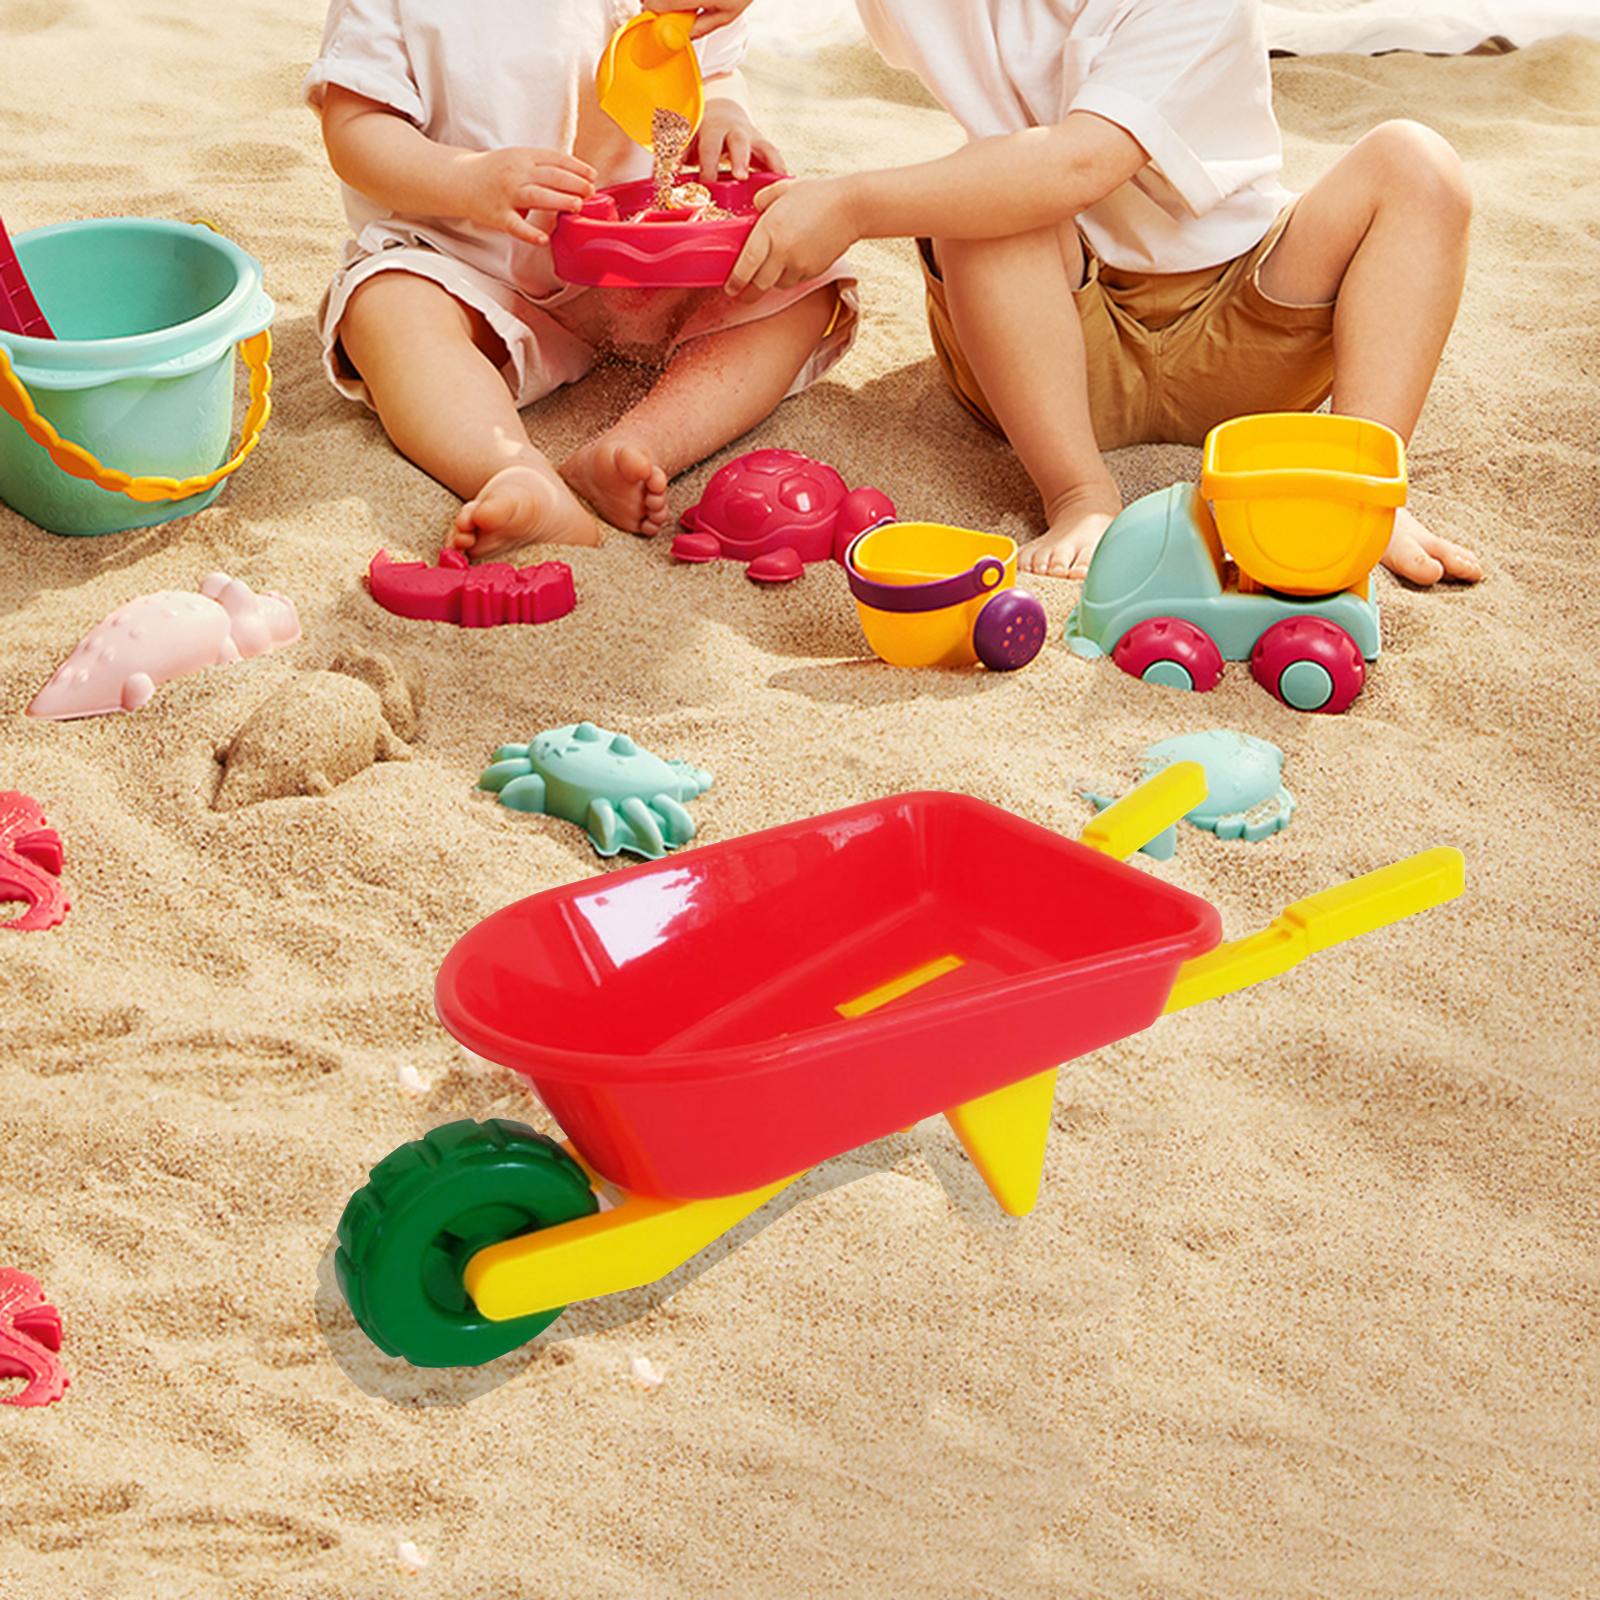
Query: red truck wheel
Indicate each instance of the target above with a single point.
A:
(1309, 663)
(1170, 651)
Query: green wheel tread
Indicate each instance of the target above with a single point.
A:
(505, 1180)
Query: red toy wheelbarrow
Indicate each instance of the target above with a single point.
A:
(708, 1027)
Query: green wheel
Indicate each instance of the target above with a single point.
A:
(405, 1240)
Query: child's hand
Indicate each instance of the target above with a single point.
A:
(804, 228)
(498, 186)
(726, 129)
(711, 17)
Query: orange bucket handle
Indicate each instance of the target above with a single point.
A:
(79, 462)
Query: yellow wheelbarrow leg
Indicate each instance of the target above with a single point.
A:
(1332, 917)
(1005, 1133)
(635, 1243)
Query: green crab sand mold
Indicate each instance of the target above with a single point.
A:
(1247, 799)
(623, 797)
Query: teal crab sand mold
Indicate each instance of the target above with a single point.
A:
(623, 797)
(1244, 777)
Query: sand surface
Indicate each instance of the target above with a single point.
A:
(1310, 1302)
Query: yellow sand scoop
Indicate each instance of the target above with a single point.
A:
(649, 66)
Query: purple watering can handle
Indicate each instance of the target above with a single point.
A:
(983, 578)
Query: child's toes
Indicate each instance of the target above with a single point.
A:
(1046, 559)
(1459, 562)
(654, 518)
(634, 466)
(1407, 559)
(465, 533)
(491, 514)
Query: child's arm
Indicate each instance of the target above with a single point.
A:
(728, 130)
(395, 164)
(993, 188)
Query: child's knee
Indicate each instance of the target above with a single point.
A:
(1421, 166)
(1006, 255)
(392, 301)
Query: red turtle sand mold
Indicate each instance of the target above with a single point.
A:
(778, 511)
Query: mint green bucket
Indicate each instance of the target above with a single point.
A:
(124, 419)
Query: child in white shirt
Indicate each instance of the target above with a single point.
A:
(1111, 258)
(461, 133)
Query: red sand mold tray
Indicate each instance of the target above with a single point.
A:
(662, 250)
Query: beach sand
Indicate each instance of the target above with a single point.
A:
(1309, 1304)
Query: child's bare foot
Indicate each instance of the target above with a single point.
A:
(621, 479)
(1077, 520)
(521, 505)
(1424, 558)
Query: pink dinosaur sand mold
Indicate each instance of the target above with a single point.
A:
(777, 511)
(487, 596)
(30, 1336)
(31, 857)
(19, 311)
(163, 636)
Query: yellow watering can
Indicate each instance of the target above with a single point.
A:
(651, 65)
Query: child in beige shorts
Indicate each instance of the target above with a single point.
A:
(1111, 258)
(461, 133)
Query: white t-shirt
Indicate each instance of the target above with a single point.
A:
(488, 75)
(1189, 79)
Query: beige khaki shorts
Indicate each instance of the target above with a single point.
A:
(1172, 355)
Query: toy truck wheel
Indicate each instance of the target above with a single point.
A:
(1309, 663)
(427, 1209)
(1170, 651)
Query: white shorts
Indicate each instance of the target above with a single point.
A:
(541, 353)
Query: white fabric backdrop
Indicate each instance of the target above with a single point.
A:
(1317, 27)
(1307, 27)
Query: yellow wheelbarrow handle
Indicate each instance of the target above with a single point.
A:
(1332, 917)
(78, 462)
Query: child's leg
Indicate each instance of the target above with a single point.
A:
(425, 360)
(714, 389)
(1384, 234)
(1013, 308)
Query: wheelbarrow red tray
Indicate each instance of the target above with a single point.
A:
(682, 1021)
